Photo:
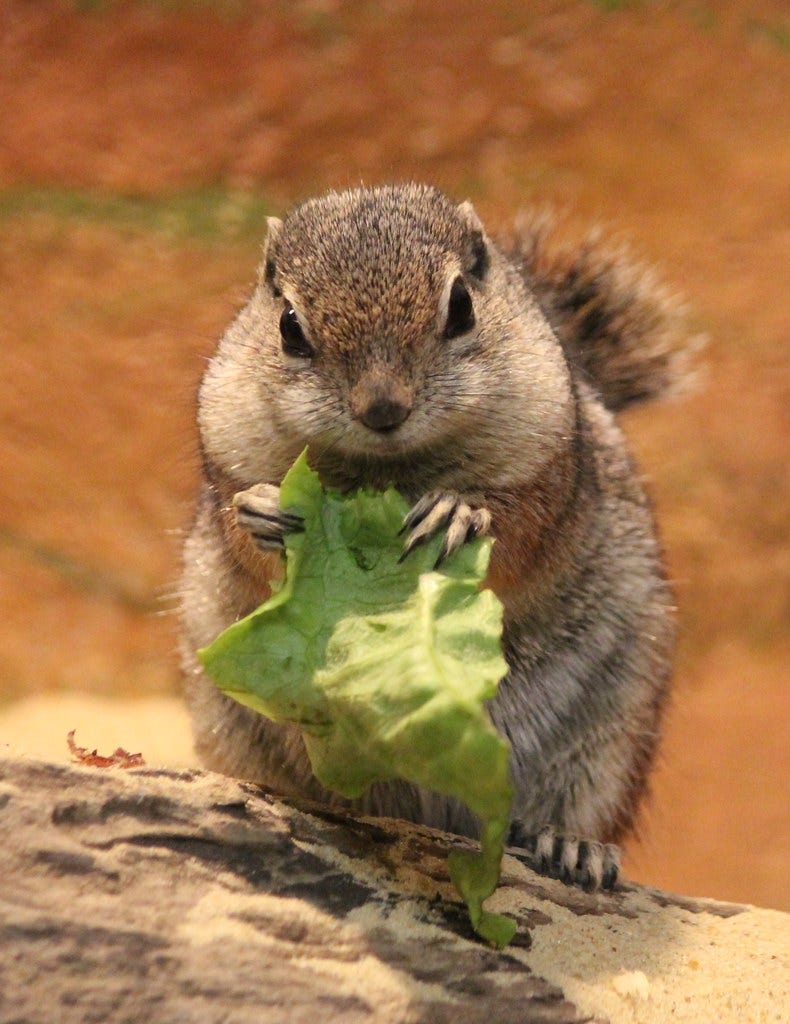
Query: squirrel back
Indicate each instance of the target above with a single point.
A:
(618, 325)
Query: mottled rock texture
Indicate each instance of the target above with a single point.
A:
(181, 896)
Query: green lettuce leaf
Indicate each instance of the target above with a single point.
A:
(385, 666)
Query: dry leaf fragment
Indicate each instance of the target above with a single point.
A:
(120, 758)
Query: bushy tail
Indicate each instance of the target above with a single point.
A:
(616, 322)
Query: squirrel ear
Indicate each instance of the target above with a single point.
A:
(476, 257)
(267, 268)
(468, 215)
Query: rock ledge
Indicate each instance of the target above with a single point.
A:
(160, 895)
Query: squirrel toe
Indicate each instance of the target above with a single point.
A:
(585, 862)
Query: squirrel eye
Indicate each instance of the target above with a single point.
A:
(460, 312)
(294, 341)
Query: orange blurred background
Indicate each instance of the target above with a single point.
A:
(141, 145)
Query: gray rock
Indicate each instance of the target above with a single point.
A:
(181, 896)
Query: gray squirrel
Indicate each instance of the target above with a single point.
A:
(391, 336)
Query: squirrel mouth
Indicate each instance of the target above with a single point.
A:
(394, 459)
(361, 441)
(391, 444)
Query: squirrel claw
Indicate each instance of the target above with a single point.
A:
(439, 509)
(258, 512)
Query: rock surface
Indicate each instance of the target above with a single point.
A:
(160, 895)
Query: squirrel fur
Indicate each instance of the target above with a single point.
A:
(390, 335)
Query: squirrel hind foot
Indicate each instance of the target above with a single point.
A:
(588, 863)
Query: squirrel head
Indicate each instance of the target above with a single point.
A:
(387, 328)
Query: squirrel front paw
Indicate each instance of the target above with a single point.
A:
(439, 509)
(585, 862)
(258, 512)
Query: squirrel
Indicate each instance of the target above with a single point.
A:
(392, 337)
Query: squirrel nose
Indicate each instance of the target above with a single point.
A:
(384, 414)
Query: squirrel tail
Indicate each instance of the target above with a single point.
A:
(616, 322)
